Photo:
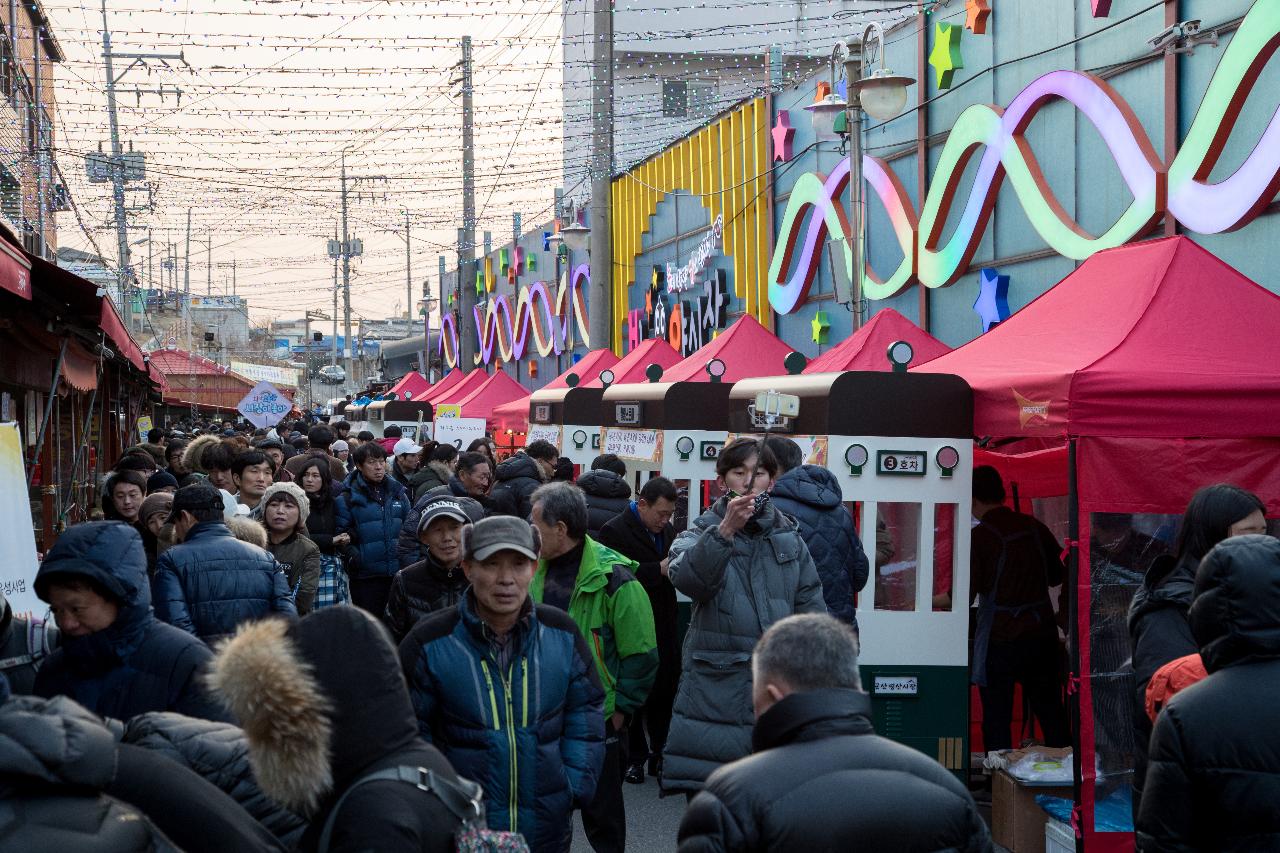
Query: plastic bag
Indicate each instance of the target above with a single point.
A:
(1042, 769)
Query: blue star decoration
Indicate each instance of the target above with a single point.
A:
(992, 304)
(820, 326)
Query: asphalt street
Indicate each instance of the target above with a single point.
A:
(651, 822)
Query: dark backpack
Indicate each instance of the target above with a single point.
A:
(464, 799)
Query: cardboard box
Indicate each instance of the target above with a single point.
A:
(1016, 821)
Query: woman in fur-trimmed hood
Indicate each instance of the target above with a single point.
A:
(195, 450)
(323, 704)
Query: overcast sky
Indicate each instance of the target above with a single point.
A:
(276, 90)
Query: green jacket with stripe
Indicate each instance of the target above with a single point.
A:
(613, 612)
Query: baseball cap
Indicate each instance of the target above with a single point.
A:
(405, 445)
(499, 533)
(465, 510)
(194, 497)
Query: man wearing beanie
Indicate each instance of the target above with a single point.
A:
(162, 481)
(284, 514)
(157, 535)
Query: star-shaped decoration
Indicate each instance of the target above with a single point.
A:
(945, 56)
(1101, 8)
(992, 304)
(783, 134)
(546, 241)
(976, 13)
(820, 327)
(823, 89)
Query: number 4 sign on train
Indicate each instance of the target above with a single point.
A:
(264, 406)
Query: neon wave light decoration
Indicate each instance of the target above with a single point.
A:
(449, 339)
(505, 332)
(1182, 191)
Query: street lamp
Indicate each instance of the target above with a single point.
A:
(426, 305)
(576, 236)
(823, 114)
(883, 95)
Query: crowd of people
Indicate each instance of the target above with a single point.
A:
(301, 638)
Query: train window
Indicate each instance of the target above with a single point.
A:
(897, 546)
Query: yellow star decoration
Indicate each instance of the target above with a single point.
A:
(821, 327)
(945, 56)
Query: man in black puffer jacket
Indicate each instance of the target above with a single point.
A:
(340, 712)
(821, 779)
(211, 582)
(520, 476)
(811, 495)
(1213, 774)
(116, 658)
(607, 492)
(218, 752)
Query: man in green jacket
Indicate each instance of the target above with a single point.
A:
(598, 587)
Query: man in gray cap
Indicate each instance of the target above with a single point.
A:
(536, 735)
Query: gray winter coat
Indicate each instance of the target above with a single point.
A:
(739, 589)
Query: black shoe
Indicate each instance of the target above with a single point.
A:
(635, 774)
(655, 766)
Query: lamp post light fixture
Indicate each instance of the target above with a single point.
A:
(823, 113)
(576, 236)
(427, 304)
(883, 94)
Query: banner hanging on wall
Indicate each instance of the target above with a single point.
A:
(18, 562)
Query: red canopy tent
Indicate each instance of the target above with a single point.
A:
(515, 414)
(460, 388)
(446, 383)
(632, 366)
(494, 391)
(747, 349)
(1142, 376)
(412, 386)
(868, 347)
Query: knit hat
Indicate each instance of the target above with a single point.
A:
(155, 503)
(161, 480)
(294, 491)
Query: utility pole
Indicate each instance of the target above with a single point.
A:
(208, 262)
(117, 179)
(186, 263)
(345, 251)
(408, 276)
(467, 243)
(601, 323)
(233, 276)
(335, 300)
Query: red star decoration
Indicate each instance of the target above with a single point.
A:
(975, 16)
(782, 134)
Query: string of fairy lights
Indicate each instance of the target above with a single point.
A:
(274, 91)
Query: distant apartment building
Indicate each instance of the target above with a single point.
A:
(30, 194)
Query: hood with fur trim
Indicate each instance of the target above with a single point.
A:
(294, 491)
(246, 529)
(197, 447)
(320, 700)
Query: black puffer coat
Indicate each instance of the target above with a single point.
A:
(607, 495)
(811, 495)
(137, 664)
(211, 582)
(55, 759)
(220, 753)
(821, 779)
(1159, 632)
(425, 587)
(1213, 777)
(515, 481)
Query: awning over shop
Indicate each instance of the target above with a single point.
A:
(496, 390)
(514, 415)
(15, 270)
(469, 383)
(747, 349)
(1158, 339)
(867, 348)
(81, 297)
(631, 367)
(450, 379)
(412, 386)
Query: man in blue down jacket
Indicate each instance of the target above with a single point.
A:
(811, 495)
(211, 582)
(115, 657)
(508, 690)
